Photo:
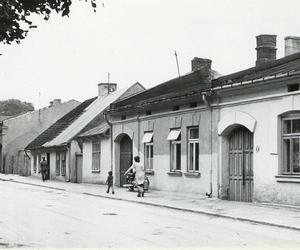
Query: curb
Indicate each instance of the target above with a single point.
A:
(197, 212)
(32, 184)
(166, 206)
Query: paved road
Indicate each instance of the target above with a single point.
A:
(40, 217)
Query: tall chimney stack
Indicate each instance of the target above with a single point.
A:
(204, 66)
(266, 49)
(104, 89)
(292, 45)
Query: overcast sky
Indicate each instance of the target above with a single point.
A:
(135, 40)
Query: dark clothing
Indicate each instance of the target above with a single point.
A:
(44, 169)
(110, 183)
(110, 180)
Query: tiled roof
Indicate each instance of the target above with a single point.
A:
(286, 66)
(181, 86)
(60, 125)
(100, 129)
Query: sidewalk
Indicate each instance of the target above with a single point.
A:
(267, 214)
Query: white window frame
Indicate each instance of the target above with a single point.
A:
(148, 159)
(174, 152)
(96, 153)
(195, 141)
(289, 170)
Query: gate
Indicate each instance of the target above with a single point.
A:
(125, 157)
(241, 165)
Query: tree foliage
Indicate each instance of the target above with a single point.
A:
(14, 107)
(15, 16)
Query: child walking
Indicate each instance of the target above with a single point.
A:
(110, 182)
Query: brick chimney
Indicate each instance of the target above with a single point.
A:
(204, 66)
(292, 45)
(266, 49)
(56, 101)
(104, 89)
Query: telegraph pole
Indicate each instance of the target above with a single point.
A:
(176, 57)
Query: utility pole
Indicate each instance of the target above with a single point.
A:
(176, 57)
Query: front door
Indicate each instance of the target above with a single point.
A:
(125, 157)
(48, 167)
(241, 165)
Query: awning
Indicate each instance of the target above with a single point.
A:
(173, 135)
(147, 137)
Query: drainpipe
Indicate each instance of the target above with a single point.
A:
(111, 139)
(139, 126)
(204, 99)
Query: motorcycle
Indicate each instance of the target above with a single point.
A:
(131, 184)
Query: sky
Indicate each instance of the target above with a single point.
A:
(134, 41)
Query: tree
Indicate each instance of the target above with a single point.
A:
(13, 107)
(15, 16)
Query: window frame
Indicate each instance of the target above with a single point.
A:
(63, 163)
(96, 153)
(148, 148)
(288, 169)
(173, 153)
(57, 164)
(194, 142)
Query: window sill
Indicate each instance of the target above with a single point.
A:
(149, 172)
(95, 171)
(288, 178)
(192, 174)
(175, 173)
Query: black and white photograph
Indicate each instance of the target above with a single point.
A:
(149, 124)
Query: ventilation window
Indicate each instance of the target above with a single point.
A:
(193, 104)
(148, 112)
(123, 117)
(293, 87)
(174, 108)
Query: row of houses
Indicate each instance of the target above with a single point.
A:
(234, 137)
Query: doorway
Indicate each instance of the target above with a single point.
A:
(241, 165)
(125, 157)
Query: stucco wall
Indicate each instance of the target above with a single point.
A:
(21, 130)
(266, 162)
(161, 126)
(95, 177)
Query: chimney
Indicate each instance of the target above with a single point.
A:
(266, 49)
(56, 101)
(104, 89)
(50, 104)
(292, 45)
(204, 66)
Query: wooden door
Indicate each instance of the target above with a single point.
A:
(125, 157)
(241, 165)
(78, 168)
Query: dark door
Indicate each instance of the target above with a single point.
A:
(48, 167)
(78, 168)
(125, 157)
(241, 165)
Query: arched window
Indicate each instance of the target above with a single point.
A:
(290, 141)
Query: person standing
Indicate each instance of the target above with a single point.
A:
(138, 168)
(110, 182)
(44, 166)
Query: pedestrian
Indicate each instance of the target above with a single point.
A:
(44, 166)
(110, 182)
(138, 169)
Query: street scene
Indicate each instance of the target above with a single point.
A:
(60, 219)
(149, 124)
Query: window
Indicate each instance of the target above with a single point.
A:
(96, 154)
(193, 149)
(148, 112)
(148, 142)
(63, 163)
(291, 145)
(175, 141)
(57, 169)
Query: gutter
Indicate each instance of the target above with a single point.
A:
(111, 139)
(204, 99)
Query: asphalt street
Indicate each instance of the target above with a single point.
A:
(37, 217)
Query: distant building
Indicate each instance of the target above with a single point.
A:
(235, 137)
(18, 131)
(62, 145)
